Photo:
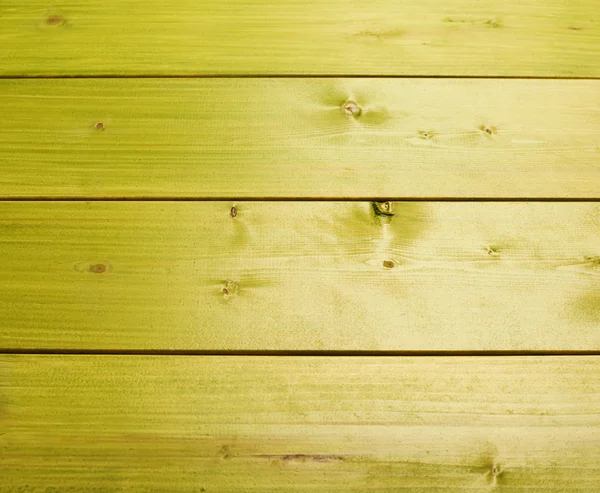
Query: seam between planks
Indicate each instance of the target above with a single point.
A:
(380, 198)
(286, 353)
(292, 76)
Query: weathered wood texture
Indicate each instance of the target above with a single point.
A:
(401, 37)
(299, 138)
(300, 275)
(266, 425)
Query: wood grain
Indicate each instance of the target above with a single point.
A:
(300, 276)
(340, 138)
(379, 37)
(260, 424)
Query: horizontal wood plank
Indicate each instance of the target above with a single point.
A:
(300, 275)
(335, 138)
(272, 424)
(379, 37)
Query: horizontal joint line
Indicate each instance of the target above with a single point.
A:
(309, 353)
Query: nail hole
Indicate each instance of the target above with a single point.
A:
(99, 126)
(351, 108)
(389, 264)
(426, 134)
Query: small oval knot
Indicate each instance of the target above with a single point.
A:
(94, 266)
(233, 212)
(99, 126)
(55, 20)
(98, 268)
(389, 264)
(351, 108)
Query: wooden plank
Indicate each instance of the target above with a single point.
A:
(272, 424)
(300, 276)
(403, 37)
(293, 138)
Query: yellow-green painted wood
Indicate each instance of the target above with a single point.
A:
(300, 276)
(401, 37)
(342, 138)
(288, 424)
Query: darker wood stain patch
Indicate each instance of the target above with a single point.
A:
(585, 308)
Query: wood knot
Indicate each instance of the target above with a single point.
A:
(383, 208)
(94, 266)
(55, 20)
(426, 134)
(351, 108)
(98, 268)
(230, 289)
(99, 126)
(389, 264)
(493, 23)
(233, 211)
(488, 129)
(226, 452)
(494, 474)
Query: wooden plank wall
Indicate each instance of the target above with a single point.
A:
(299, 246)
(291, 37)
(300, 138)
